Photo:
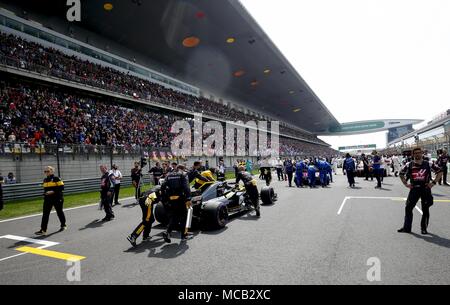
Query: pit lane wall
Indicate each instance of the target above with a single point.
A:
(79, 167)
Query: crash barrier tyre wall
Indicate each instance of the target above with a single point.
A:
(267, 195)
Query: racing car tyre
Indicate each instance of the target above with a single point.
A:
(267, 195)
(215, 215)
(161, 215)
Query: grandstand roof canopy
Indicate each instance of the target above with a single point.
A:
(215, 45)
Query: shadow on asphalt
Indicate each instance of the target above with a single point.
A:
(170, 251)
(159, 248)
(244, 215)
(384, 189)
(24, 243)
(434, 239)
(19, 244)
(155, 242)
(209, 231)
(439, 195)
(94, 225)
(46, 236)
(129, 206)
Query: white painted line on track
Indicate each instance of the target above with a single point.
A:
(374, 198)
(343, 204)
(420, 211)
(44, 244)
(9, 257)
(53, 212)
(41, 242)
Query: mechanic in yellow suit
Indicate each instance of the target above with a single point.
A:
(208, 175)
(147, 202)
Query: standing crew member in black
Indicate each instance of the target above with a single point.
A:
(366, 167)
(194, 173)
(349, 168)
(136, 175)
(442, 163)
(176, 195)
(250, 186)
(107, 192)
(418, 172)
(157, 172)
(53, 197)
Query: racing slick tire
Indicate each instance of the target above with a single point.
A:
(161, 214)
(267, 195)
(215, 215)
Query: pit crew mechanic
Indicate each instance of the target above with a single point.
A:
(146, 203)
(176, 195)
(250, 187)
(53, 197)
(194, 173)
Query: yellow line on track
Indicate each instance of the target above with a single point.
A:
(52, 254)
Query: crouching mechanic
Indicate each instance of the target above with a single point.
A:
(418, 172)
(250, 187)
(312, 175)
(176, 195)
(299, 168)
(323, 171)
(147, 203)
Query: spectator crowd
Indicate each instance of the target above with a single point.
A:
(42, 115)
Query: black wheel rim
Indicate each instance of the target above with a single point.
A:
(222, 216)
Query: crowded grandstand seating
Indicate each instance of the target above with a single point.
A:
(45, 115)
(31, 56)
(35, 114)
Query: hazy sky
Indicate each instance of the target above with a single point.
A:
(365, 59)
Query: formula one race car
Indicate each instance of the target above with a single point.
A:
(213, 207)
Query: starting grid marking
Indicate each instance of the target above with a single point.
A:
(382, 198)
(44, 244)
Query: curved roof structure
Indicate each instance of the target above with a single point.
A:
(364, 127)
(214, 45)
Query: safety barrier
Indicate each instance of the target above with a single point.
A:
(35, 190)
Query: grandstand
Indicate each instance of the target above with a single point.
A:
(59, 94)
(434, 136)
